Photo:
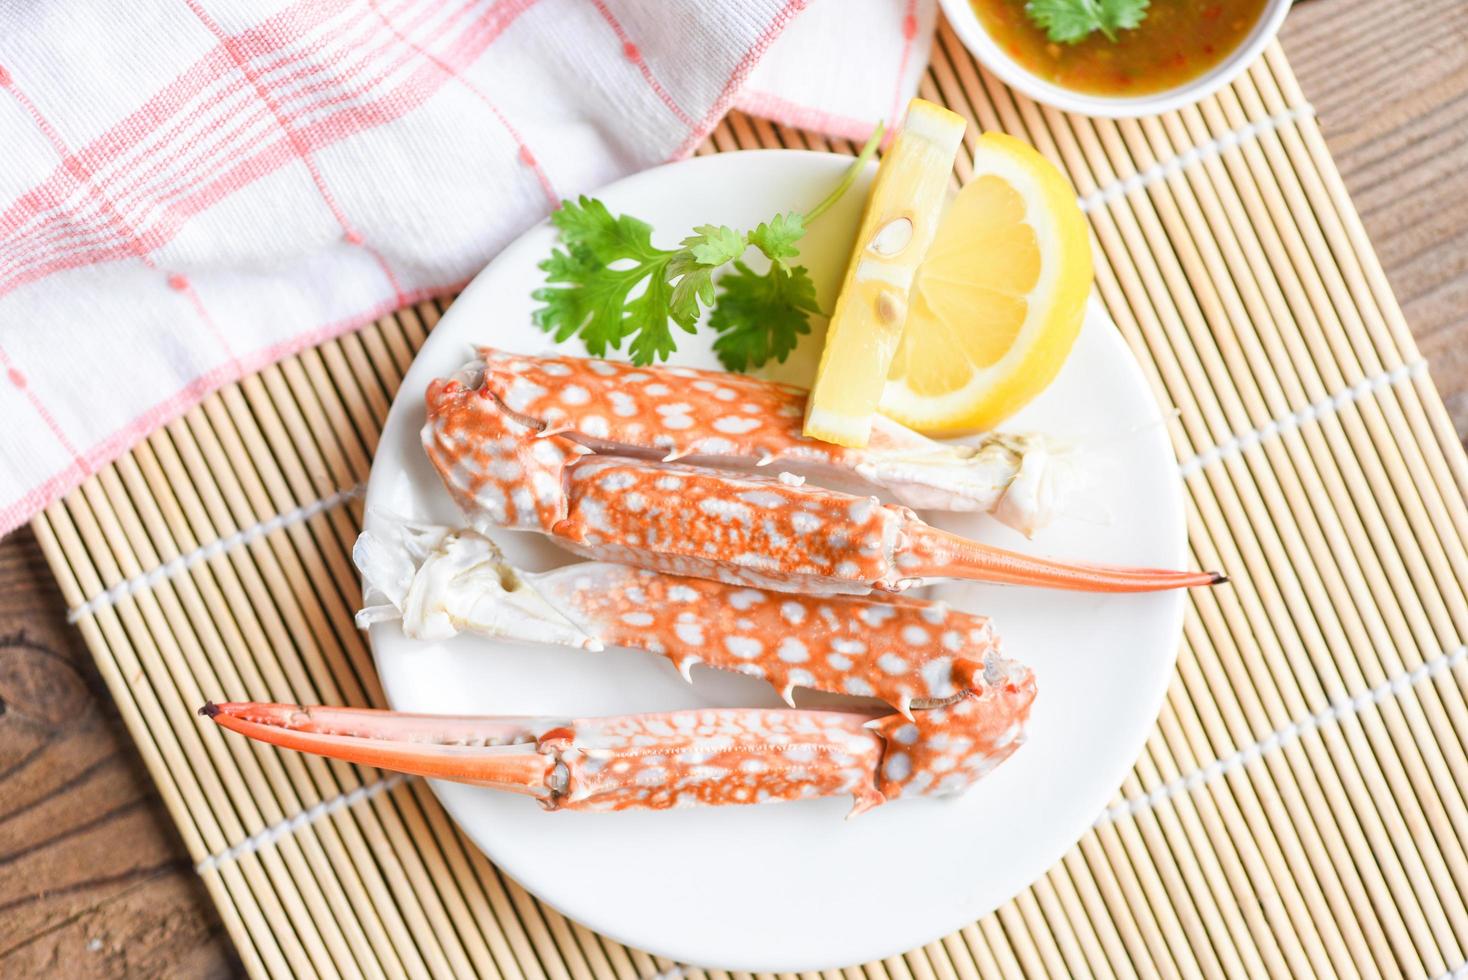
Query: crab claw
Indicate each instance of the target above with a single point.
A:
(948, 748)
(933, 553)
(502, 753)
(703, 757)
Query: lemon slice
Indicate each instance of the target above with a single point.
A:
(998, 300)
(901, 217)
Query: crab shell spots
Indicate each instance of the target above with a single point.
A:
(651, 776)
(743, 647)
(763, 499)
(955, 745)
(916, 635)
(804, 523)
(744, 599)
(616, 481)
(792, 651)
(736, 425)
(704, 516)
(893, 664)
(768, 421)
(727, 510)
(935, 613)
(876, 614)
(801, 678)
(492, 463)
(707, 757)
(790, 641)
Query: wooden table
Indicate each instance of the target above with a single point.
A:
(93, 879)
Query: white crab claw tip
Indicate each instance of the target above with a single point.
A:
(766, 459)
(594, 645)
(787, 694)
(685, 667)
(873, 724)
(676, 454)
(904, 707)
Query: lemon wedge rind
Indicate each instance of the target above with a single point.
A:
(901, 218)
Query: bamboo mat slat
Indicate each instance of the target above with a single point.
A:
(1301, 807)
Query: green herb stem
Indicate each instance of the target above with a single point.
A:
(852, 172)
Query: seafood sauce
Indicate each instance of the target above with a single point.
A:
(1176, 42)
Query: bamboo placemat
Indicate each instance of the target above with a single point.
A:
(1299, 808)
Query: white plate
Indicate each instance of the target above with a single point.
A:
(794, 886)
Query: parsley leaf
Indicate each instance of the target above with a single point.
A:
(606, 259)
(1071, 21)
(762, 316)
(595, 301)
(777, 237)
(715, 244)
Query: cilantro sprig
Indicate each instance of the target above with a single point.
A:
(1072, 21)
(608, 283)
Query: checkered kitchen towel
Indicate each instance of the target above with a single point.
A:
(191, 189)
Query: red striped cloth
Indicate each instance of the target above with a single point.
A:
(192, 189)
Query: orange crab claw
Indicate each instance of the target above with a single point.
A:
(501, 753)
(935, 553)
(790, 536)
(584, 451)
(702, 757)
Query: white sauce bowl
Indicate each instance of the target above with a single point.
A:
(971, 31)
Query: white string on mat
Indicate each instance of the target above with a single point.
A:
(1160, 171)
(1359, 391)
(182, 563)
(269, 836)
(1459, 972)
(1278, 739)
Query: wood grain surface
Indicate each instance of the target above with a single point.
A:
(93, 879)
